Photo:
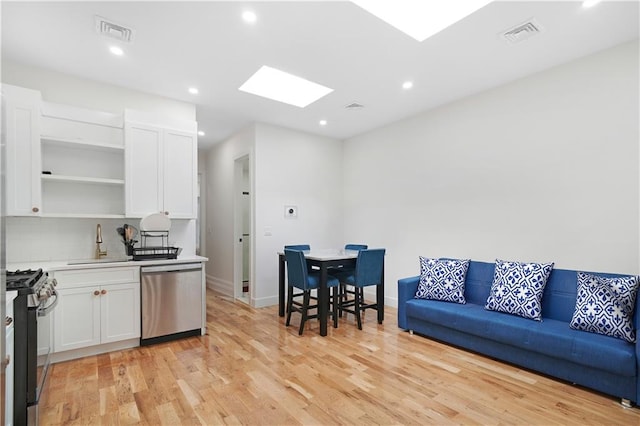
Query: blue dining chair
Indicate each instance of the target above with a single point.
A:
(344, 290)
(369, 271)
(303, 247)
(301, 278)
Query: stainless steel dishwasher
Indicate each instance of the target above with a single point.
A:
(171, 302)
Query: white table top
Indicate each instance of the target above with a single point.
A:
(329, 254)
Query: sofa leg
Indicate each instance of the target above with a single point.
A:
(626, 403)
(411, 332)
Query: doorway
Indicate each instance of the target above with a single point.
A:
(243, 237)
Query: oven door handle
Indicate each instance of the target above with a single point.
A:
(44, 311)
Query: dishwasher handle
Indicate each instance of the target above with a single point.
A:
(179, 267)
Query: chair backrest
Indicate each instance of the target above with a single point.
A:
(298, 247)
(296, 269)
(369, 267)
(356, 247)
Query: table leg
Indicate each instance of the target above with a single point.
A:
(323, 300)
(281, 263)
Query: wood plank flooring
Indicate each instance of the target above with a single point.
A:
(252, 370)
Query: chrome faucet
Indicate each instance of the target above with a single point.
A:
(99, 252)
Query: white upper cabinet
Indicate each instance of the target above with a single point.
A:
(161, 167)
(180, 174)
(22, 117)
(143, 164)
(82, 162)
(66, 161)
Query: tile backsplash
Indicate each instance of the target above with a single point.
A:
(52, 239)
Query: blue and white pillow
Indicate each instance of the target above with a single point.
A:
(606, 305)
(442, 279)
(517, 288)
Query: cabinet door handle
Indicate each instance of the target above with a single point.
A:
(8, 321)
(103, 292)
(7, 360)
(35, 209)
(96, 293)
(166, 213)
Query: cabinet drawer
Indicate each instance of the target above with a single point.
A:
(97, 276)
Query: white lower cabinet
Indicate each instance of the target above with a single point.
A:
(97, 306)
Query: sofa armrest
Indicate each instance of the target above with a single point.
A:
(407, 288)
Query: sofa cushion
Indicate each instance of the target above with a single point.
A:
(442, 279)
(517, 288)
(605, 305)
(549, 337)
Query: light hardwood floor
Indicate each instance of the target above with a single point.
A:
(250, 369)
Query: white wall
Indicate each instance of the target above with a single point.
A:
(287, 167)
(220, 241)
(42, 239)
(542, 169)
(32, 239)
(293, 168)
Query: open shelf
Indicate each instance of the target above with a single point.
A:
(68, 196)
(84, 216)
(80, 143)
(82, 179)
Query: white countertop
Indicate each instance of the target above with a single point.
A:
(62, 265)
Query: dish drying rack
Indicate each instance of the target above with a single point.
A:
(155, 245)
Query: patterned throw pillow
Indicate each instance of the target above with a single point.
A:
(442, 279)
(517, 288)
(605, 306)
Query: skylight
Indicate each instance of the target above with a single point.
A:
(421, 19)
(284, 87)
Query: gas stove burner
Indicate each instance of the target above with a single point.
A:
(23, 280)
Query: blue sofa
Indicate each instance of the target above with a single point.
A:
(603, 363)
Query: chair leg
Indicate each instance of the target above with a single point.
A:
(334, 309)
(305, 308)
(289, 305)
(341, 296)
(359, 300)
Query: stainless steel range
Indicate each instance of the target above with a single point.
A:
(36, 299)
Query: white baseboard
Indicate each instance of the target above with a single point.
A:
(264, 301)
(226, 288)
(221, 286)
(371, 295)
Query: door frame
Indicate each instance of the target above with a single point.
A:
(238, 213)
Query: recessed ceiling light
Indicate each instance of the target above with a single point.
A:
(421, 19)
(116, 50)
(249, 16)
(193, 90)
(323, 122)
(200, 133)
(590, 3)
(407, 85)
(284, 87)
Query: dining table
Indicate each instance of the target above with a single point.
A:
(325, 260)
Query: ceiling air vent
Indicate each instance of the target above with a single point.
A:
(523, 31)
(111, 29)
(354, 105)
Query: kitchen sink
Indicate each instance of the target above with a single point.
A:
(89, 261)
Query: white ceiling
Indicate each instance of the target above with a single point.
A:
(334, 43)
